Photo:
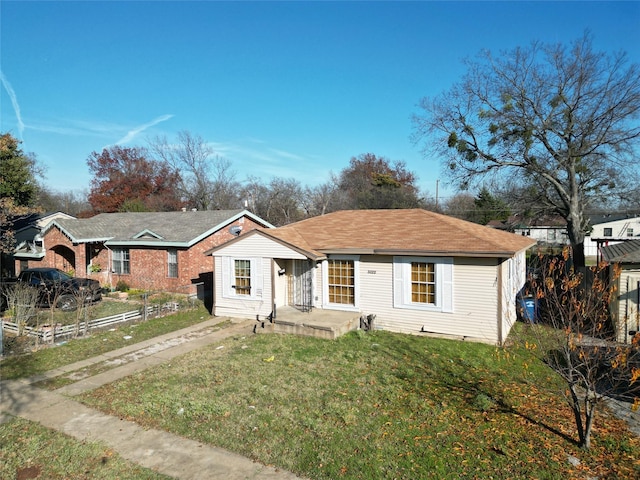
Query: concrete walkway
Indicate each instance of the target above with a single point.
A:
(158, 450)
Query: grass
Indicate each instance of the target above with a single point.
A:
(104, 308)
(374, 405)
(28, 450)
(49, 358)
(107, 307)
(73, 376)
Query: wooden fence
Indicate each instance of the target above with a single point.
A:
(46, 333)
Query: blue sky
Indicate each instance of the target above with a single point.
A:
(280, 89)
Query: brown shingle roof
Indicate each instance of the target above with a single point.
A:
(398, 232)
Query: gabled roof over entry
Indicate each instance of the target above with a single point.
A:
(173, 229)
(394, 232)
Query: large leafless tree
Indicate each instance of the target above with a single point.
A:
(207, 180)
(279, 201)
(560, 118)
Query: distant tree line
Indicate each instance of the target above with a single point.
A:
(166, 176)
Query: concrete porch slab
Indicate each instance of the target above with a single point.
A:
(321, 323)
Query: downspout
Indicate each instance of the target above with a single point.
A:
(110, 267)
(626, 312)
(638, 308)
(213, 287)
(500, 300)
(273, 291)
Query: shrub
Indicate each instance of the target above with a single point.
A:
(122, 286)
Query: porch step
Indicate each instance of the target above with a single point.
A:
(329, 331)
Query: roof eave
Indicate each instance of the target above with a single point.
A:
(29, 255)
(315, 256)
(134, 243)
(91, 240)
(422, 253)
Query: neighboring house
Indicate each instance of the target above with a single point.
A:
(145, 250)
(27, 232)
(625, 306)
(549, 230)
(416, 270)
(607, 231)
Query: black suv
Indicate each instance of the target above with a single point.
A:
(59, 288)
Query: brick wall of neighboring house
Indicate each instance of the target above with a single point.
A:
(148, 267)
(60, 253)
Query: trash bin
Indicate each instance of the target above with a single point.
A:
(529, 308)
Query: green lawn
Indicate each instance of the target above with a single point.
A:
(374, 405)
(49, 358)
(28, 450)
(105, 308)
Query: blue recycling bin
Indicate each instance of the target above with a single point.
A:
(529, 308)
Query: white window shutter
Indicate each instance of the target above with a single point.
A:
(398, 282)
(227, 267)
(447, 287)
(257, 280)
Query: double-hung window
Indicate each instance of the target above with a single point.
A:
(120, 261)
(172, 263)
(242, 277)
(423, 283)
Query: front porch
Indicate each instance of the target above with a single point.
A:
(320, 323)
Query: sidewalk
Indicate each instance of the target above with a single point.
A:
(160, 451)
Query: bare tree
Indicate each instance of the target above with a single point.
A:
(461, 205)
(208, 183)
(321, 199)
(22, 301)
(226, 191)
(279, 202)
(72, 202)
(576, 339)
(558, 118)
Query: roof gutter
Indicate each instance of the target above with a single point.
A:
(418, 253)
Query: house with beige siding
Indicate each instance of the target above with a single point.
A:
(410, 271)
(625, 306)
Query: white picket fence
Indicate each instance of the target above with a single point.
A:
(45, 332)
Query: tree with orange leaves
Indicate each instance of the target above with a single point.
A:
(126, 179)
(575, 337)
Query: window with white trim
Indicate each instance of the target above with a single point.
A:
(423, 283)
(341, 282)
(340, 286)
(120, 261)
(242, 277)
(172, 263)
